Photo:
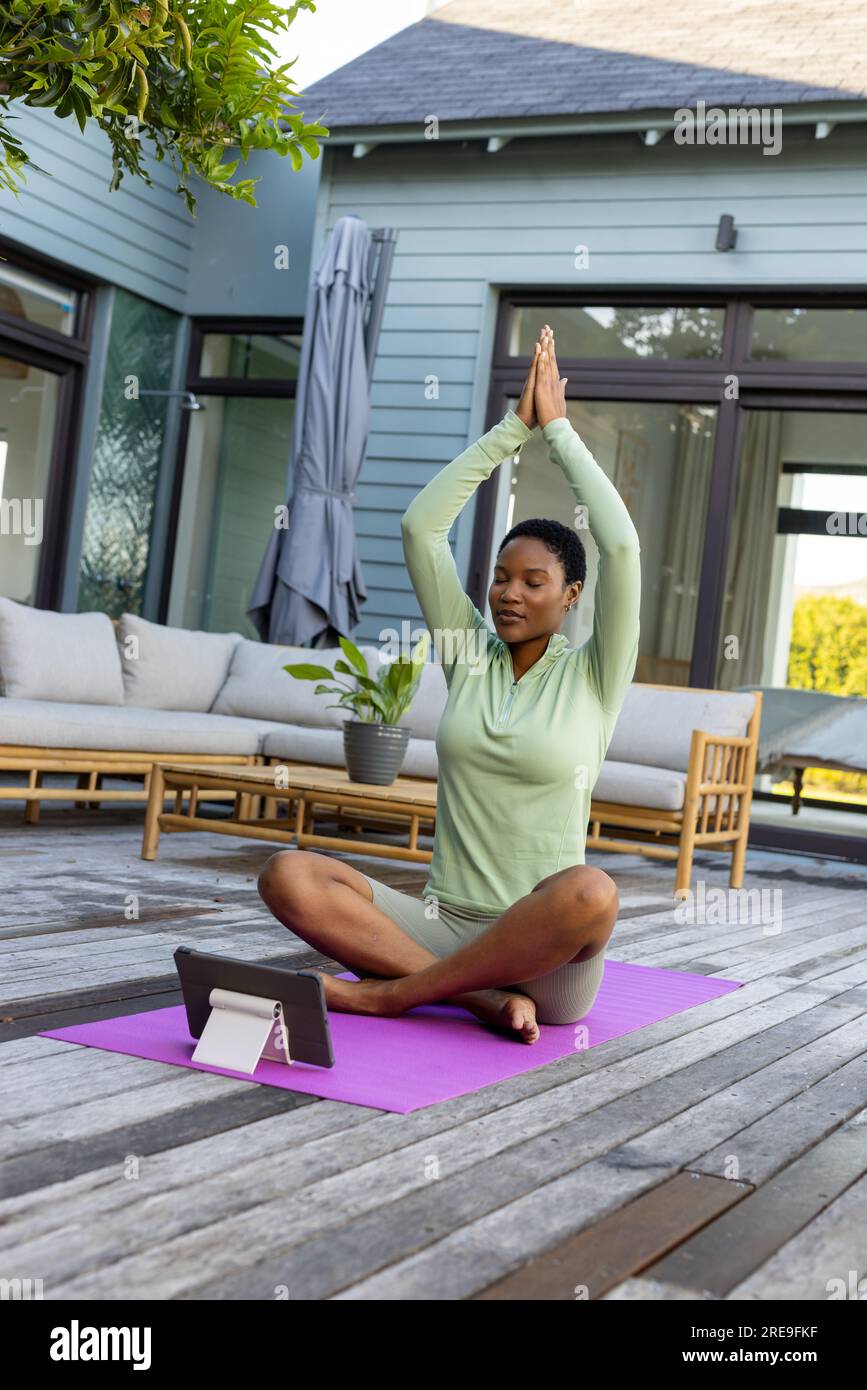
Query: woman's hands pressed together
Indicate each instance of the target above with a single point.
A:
(544, 395)
(526, 408)
(550, 393)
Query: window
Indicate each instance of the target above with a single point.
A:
(236, 452)
(127, 459)
(37, 301)
(28, 412)
(809, 335)
(250, 356)
(659, 456)
(621, 331)
(44, 323)
(735, 431)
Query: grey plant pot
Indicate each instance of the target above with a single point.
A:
(374, 752)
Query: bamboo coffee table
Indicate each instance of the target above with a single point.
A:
(307, 790)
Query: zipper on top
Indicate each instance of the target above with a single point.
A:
(507, 704)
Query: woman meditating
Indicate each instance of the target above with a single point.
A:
(512, 925)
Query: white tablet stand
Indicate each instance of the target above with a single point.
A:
(241, 1029)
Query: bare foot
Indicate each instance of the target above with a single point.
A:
(374, 997)
(506, 1011)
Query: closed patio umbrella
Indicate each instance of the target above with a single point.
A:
(310, 587)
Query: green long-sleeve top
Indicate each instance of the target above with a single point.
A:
(518, 759)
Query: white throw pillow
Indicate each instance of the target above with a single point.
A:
(172, 667)
(257, 687)
(71, 657)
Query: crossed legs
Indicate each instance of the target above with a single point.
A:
(567, 917)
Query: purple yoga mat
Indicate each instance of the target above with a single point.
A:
(431, 1054)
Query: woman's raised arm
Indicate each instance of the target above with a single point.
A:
(449, 613)
(612, 650)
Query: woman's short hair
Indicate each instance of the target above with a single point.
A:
(562, 540)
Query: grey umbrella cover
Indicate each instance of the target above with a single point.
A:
(310, 584)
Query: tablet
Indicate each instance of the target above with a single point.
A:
(301, 992)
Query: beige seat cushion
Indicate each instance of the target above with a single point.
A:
(633, 784)
(118, 728)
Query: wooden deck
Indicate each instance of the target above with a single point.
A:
(719, 1154)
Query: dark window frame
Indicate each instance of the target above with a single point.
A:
(737, 331)
(76, 344)
(67, 356)
(263, 387)
(234, 385)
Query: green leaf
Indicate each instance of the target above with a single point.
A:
(378, 700)
(353, 654)
(306, 671)
(398, 678)
(81, 108)
(215, 87)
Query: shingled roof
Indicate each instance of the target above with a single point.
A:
(489, 59)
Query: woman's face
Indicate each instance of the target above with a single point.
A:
(529, 583)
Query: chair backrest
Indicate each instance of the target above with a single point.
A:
(654, 727)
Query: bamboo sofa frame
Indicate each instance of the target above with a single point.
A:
(92, 765)
(719, 767)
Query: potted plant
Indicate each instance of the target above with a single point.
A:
(373, 745)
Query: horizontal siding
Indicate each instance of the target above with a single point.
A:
(448, 291)
(391, 366)
(468, 221)
(597, 208)
(483, 250)
(137, 237)
(395, 395)
(433, 417)
(143, 239)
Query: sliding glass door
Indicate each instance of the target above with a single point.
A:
(794, 613)
(235, 448)
(736, 433)
(659, 457)
(236, 467)
(28, 422)
(44, 327)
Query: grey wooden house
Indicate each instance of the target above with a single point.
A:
(705, 278)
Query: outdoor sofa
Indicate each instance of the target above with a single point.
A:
(81, 696)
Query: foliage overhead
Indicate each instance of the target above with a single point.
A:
(196, 81)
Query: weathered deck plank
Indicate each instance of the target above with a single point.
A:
(239, 1189)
